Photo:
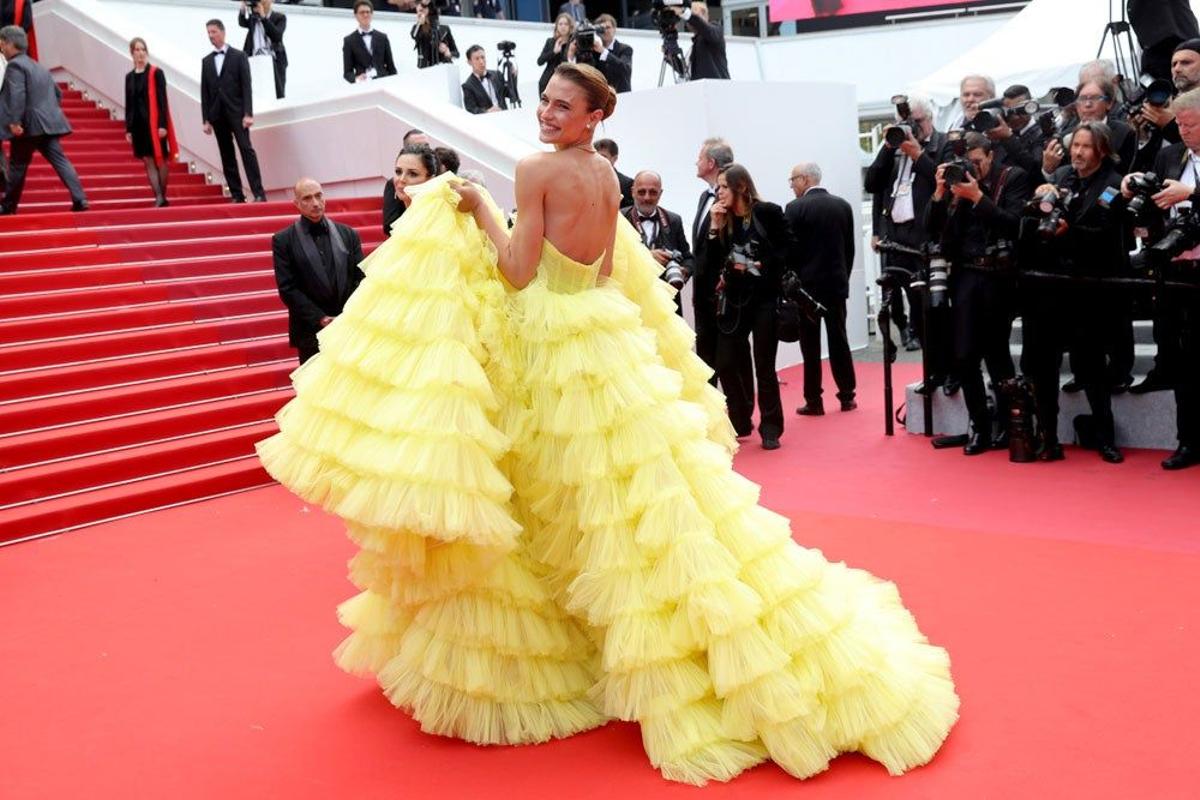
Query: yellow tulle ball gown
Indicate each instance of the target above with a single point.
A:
(552, 535)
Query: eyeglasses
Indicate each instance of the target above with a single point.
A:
(794, 178)
(1088, 99)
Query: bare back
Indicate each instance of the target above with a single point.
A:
(580, 201)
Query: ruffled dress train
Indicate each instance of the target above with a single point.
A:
(551, 532)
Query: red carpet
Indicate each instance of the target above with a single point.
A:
(186, 653)
(145, 349)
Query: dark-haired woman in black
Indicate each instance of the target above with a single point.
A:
(148, 120)
(415, 164)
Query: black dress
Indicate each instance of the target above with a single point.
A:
(137, 111)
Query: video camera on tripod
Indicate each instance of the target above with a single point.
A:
(666, 14)
(508, 74)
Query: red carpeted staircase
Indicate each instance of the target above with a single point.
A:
(144, 349)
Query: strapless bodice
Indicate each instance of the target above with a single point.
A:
(564, 275)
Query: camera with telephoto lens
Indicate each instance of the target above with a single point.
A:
(792, 291)
(506, 48)
(666, 14)
(1181, 234)
(896, 135)
(673, 272)
(1143, 187)
(935, 277)
(745, 255)
(585, 43)
(1151, 91)
(1051, 206)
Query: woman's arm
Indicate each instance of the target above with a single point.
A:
(129, 101)
(517, 255)
(547, 52)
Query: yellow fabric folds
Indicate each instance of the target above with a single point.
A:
(552, 534)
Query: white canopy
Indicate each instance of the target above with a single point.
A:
(1042, 46)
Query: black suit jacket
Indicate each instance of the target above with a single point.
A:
(882, 174)
(773, 249)
(1156, 21)
(551, 60)
(707, 59)
(667, 237)
(306, 288)
(1096, 241)
(356, 60)
(475, 96)
(273, 27)
(704, 280)
(226, 97)
(965, 230)
(626, 184)
(822, 243)
(617, 67)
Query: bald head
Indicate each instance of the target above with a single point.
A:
(647, 189)
(309, 199)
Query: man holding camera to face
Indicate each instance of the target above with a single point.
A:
(432, 40)
(1018, 138)
(598, 46)
(661, 231)
(901, 181)
(707, 57)
(265, 37)
(975, 213)
(1078, 231)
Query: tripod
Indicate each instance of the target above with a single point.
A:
(508, 80)
(1124, 53)
(673, 58)
(892, 280)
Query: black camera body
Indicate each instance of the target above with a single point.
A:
(793, 292)
(506, 48)
(1144, 187)
(585, 43)
(1180, 235)
(673, 272)
(896, 135)
(1151, 91)
(1051, 207)
(957, 169)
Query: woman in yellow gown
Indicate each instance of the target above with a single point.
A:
(539, 477)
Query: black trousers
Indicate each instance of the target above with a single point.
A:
(280, 78)
(982, 312)
(1187, 387)
(706, 345)
(735, 360)
(1055, 320)
(23, 148)
(307, 348)
(227, 132)
(840, 361)
(1169, 316)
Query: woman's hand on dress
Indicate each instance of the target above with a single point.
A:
(469, 197)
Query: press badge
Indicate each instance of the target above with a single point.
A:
(1107, 196)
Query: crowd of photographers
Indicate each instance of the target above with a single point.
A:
(1071, 210)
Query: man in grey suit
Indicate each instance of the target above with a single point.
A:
(31, 116)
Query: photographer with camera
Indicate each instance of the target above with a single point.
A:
(747, 246)
(822, 254)
(432, 40)
(366, 53)
(707, 57)
(975, 213)
(661, 232)
(597, 45)
(554, 52)
(483, 91)
(1177, 313)
(1079, 232)
(973, 90)
(1018, 138)
(265, 37)
(901, 180)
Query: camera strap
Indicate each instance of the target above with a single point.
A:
(636, 219)
(1001, 181)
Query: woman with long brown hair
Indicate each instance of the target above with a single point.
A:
(747, 247)
(148, 126)
(554, 52)
(523, 444)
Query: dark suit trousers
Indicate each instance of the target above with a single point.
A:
(840, 361)
(280, 78)
(734, 362)
(23, 148)
(307, 348)
(1168, 332)
(1049, 327)
(226, 134)
(982, 310)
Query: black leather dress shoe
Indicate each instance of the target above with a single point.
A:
(811, 410)
(1151, 383)
(1051, 451)
(1121, 387)
(260, 198)
(79, 207)
(912, 345)
(976, 443)
(237, 199)
(770, 443)
(1183, 457)
(1110, 453)
(849, 405)
(931, 385)
(1000, 441)
(1072, 386)
(951, 387)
